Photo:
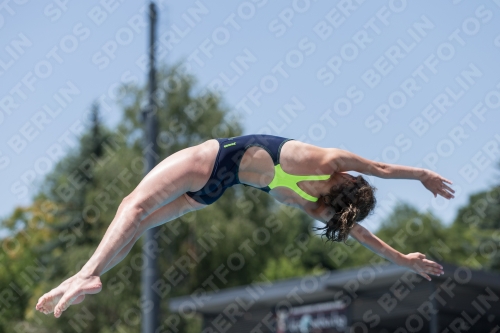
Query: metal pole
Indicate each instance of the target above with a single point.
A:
(434, 324)
(151, 307)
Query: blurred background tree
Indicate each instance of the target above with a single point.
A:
(246, 235)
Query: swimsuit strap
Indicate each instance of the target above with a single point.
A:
(281, 178)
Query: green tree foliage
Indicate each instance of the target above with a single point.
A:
(408, 230)
(476, 230)
(482, 211)
(22, 267)
(243, 237)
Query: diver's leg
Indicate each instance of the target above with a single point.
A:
(186, 170)
(180, 206)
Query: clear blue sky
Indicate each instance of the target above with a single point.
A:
(407, 82)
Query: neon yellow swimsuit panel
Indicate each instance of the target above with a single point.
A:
(281, 178)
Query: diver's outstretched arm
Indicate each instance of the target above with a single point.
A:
(414, 261)
(343, 160)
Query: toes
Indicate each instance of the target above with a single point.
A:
(41, 301)
(48, 303)
(65, 302)
(57, 311)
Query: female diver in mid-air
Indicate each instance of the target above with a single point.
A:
(311, 178)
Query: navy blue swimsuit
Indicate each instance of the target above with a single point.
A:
(227, 164)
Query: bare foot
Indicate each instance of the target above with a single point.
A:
(49, 300)
(71, 291)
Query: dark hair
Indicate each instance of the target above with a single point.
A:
(352, 201)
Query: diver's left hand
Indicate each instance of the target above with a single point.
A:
(419, 264)
(436, 184)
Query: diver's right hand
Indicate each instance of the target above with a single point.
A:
(436, 184)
